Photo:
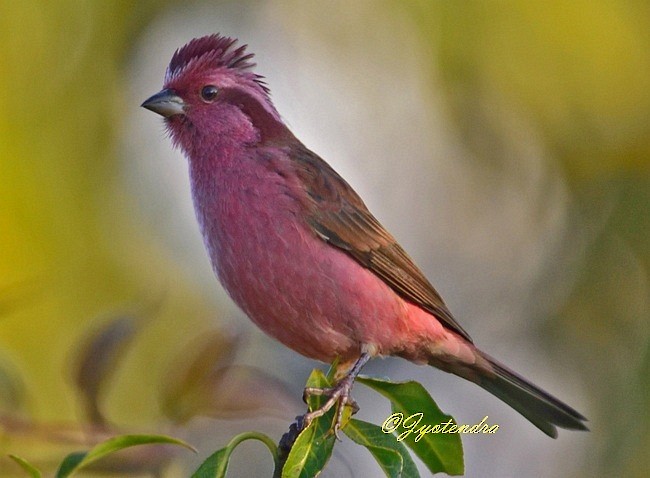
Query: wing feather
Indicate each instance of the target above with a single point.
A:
(338, 215)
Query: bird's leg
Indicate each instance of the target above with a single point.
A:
(338, 394)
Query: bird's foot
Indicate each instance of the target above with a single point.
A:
(338, 395)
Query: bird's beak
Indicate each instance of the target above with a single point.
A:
(166, 103)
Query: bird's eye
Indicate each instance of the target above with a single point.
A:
(209, 93)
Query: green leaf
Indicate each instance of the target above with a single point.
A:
(392, 455)
(76, 461)
(69, 463)
(415, 412)
(216, 465)
(311, 451)
(26, 466)
(313, 447)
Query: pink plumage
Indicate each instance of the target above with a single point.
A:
(295, 246)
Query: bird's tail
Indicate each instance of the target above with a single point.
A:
(542, 409)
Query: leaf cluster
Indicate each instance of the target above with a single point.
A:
(312, 448)
(304, 453)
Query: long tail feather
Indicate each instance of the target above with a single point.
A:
(539, 407)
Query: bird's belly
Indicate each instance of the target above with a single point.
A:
(307, 294)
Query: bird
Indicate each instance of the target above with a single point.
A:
(298, 250)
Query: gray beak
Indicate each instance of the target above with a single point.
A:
(166, 103)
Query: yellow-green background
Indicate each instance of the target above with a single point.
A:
(71, 249)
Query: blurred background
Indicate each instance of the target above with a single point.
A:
(505, 144)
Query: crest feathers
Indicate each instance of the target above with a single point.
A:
(213, 51)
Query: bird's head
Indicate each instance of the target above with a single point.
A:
(210, 91)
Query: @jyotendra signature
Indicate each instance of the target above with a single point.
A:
(412, 425)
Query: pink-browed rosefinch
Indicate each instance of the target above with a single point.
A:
(296, 247)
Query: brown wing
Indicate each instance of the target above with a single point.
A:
(338, 215)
